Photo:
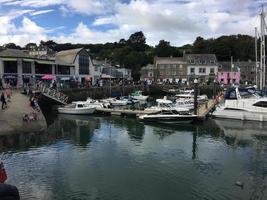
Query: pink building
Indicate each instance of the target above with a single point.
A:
(227, 78)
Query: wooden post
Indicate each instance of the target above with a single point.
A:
(195, 95)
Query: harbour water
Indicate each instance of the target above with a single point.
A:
(106, 158)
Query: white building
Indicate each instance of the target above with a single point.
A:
(126, 73)
(201, 66)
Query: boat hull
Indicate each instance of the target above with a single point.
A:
(75, 111)
(168, 119)
(240, 115)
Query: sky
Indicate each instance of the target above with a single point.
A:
(101, 21)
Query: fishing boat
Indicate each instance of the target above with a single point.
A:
(77, 108)
(138, 95)
(242, 105)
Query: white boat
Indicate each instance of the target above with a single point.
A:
(168, 116)
(242, 105)
(165, 104)
(77, 108)
(115, 102)
(138, 95)
(184, 103)
(189, 95)
(97, 103)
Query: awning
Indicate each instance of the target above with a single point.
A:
(9, 59)
(45, 62)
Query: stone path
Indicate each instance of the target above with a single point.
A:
(11, 117)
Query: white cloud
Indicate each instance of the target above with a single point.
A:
(179, 22)
(41, 12)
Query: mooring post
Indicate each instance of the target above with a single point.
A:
(195, 95)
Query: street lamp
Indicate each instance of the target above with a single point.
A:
(214, 88)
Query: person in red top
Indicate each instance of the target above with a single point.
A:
(3, 175)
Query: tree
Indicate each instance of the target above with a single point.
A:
(164, 49)
(12, 46)
(137, 41)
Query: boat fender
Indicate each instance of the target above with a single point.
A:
(9, 192)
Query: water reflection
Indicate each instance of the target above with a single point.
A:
(76, 129)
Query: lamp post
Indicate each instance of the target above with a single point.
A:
(195, 95)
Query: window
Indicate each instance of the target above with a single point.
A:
(61, 69)
(161, 66)
(161, 73)
(192, 70)
(96, 69)
(181, 66)
(26, 67)
(83, 64)
(10, 67)
(202, 70)
(150, 74)
(222, 73)
(167, 73)
(173, 66)
(174, 73)
(212, 70)
(234, 80)
(222, 80)
(261, 104)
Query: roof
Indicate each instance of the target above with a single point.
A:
(201, 57)
(167, 60)
(14, 53)
(67, 56)
(226, 66)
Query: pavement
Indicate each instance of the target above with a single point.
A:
(11, 117)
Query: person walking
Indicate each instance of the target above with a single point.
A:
(3, 100)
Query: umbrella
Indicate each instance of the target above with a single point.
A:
(49, 77)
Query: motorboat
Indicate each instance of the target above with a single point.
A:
(242, 105)
(115, 102)
(189, 95)
(129, 100)
(168, 116)
(77, 108)
(165, 104)
(184, 103)
(97, 103)
(138, 95)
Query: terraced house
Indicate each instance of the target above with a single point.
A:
(182, 69)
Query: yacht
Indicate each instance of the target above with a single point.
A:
(77, 108)
(242, 105)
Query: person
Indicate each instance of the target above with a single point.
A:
(3, 175)
(3, 99)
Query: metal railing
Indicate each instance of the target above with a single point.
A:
(52, 93)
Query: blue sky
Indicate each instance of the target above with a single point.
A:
(100, 21)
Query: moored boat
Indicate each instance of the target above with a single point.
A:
(242, 105)
(138, 95)
(77, 108)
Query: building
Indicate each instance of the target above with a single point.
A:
(228, 74)
(171, 69)
(18, 67)
(182, 69)
(148, 73)
(204, 67)
(126, 73)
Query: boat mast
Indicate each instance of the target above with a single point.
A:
(262, 59)
(256, 56)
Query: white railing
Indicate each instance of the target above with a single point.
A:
(50, 92)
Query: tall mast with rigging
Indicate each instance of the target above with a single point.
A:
(262, 50)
